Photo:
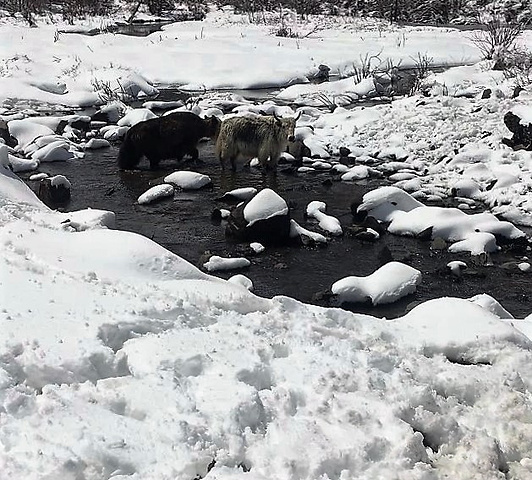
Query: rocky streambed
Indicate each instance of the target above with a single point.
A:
(183, 224)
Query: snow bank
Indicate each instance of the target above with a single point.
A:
(122, 359)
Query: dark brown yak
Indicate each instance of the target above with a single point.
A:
(170, 136)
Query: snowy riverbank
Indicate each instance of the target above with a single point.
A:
(118, 359)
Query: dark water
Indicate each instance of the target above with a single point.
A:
(183, 225)
(136, 28)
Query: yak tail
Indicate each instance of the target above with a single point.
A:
(128, 158)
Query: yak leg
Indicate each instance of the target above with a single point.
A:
(263, 158)
(223, 157)
(274, 159)
(222, 160)
(194, 153)
(270, 163)
(154, 162)
(231, 159)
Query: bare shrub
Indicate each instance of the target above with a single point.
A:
(385, 79)
(73, 69)
(158, 7)
(285, 32)
(497, 37)
(327, 101)
(369, 64)
(518, 67)
(182, 10)
(107, 93)
(422, 68)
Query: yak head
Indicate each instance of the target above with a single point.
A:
(288, 125)
(212, 125)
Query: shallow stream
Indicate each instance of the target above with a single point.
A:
(184, 226)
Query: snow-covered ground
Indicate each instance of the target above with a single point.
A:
(120, 360)
(223, 51)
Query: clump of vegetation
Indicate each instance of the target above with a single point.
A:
(389, 79)
(108, 94)
(177, 10)
(73, 9)
(68, 9)
(420, 11)
(368, 66)
(257, 10)
(285, 32)
(497, 42)
(327, 101)
(518, 67)
(422, 69)
(497, 38)
(27, 8)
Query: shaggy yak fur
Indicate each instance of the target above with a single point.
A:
(265, 137)
(170, 136)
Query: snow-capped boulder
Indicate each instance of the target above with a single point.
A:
(264, 218)
(97, 143)
(22, 164)
(304, 236)
(188, 180)
(134, 116)
(26, 131)
(241, 280)
(388, 284)
(328, 223)
(55, 151)
(109, 113)
(518, 121)
(240, 194)
(155, 193)
(216, 263)
(475, 233)
(54, 191)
